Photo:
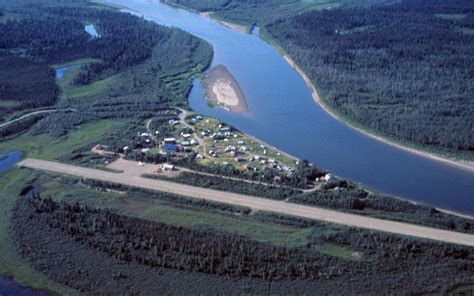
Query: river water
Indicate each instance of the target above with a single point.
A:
(283, 114)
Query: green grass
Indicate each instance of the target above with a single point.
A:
(76, 62)
(466, 31)
(166, 212)
(70, 91)
(11, 263)
(48, 147)
(272, 233)
(451, 16)
(338, 251)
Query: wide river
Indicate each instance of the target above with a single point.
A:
(283, 114)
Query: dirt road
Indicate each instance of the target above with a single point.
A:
(35, 113)
(256, 203)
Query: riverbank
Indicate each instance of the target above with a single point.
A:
(462, 164)
(223, 89)
(233, 26)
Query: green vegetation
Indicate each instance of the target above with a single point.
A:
(11, 262)
(46, 146)
(398, 69)
(151, 207)
(148, 76)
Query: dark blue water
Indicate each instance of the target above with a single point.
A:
(60, 72)
(9, 159)
(283, 114)
(10, 288)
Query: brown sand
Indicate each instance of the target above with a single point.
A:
(224, 90)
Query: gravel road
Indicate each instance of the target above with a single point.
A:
(132, 178)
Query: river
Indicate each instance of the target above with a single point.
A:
(283, 114)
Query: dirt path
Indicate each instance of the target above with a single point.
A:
(35, 113)
(255, 203)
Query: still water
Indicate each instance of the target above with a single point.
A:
(283, 114)
(9, 159)
(90, 29)
(60, 72)
(10, 288)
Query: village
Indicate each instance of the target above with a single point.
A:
(210, 142)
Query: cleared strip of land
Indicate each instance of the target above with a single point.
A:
(255, 203)
(35, 113)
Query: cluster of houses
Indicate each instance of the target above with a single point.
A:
(171, 144)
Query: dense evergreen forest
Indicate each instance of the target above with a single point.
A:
(139, 55)
(403, 69)
(128, 246)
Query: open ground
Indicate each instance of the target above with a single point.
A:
(131, 176)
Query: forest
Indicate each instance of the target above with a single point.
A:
(402, 69)
(139, 55)
(398, 69)
(89, 232)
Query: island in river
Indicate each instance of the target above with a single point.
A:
(224, 90)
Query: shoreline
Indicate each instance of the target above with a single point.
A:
(229, 25)
(464, 165)
(460, 164)
(114, 5)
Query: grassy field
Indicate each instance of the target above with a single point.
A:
(62, 188)
(47, 147)
(71, 91)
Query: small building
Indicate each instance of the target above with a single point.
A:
(186, 136)
(229, 148)
(100, 147)
(174, 122)
(171, 147)
(144, 135)
(185, 143)
(327, 177)
(169, 141)
(194, 142)
(167, 167)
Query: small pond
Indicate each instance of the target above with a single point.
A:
(9, 287)
(92, 31)
(9, 159)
